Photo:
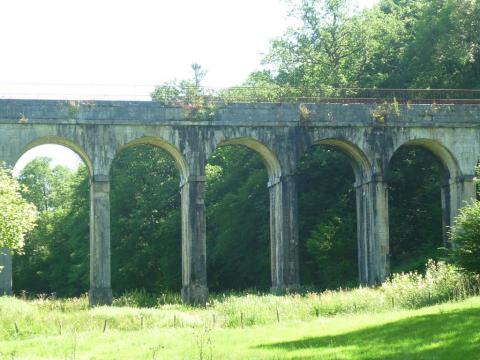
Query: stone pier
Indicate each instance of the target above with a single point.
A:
(100, 283)
(194, 252)
(5, 272)
(284, 235)
(372, 231)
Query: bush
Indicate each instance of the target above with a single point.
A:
(441, 282)
(141, 298)
(465, 237)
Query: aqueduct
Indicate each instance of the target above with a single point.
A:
(280, 133)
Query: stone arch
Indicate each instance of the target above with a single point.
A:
(180, 163)
(368, 225)
(359, 161)
(440, 151)
(57, 140)
(173, 151)
(449, 193)
(278, 215)
(75, 147)
(269, 158)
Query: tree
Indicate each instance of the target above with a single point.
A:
(415, 178)
(439, 46)
(327, 221)
(199, 74)
(146, 220)
(396, 44)
(330, 48)
(48, 187)
(17, 216)
(56, 251)
(181, 92)
(238, 246)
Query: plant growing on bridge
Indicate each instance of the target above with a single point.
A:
(73, 108)
(304, 112)
(381, 112)
(23, 119)
(198, 103)
(17, 216)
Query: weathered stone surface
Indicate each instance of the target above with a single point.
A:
(98, 130)
(100, 283)
(5, 272)
(100, 296)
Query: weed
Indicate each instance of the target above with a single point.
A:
(73, 109)
(434, 108)
(381, 112)
(23, 119)
(204, 343)
(155, 351)
(304, 112)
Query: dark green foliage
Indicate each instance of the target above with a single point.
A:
(415, 178)
(327, 220)
(465, 234)
(439, 46)
(238, 239)
(145, 221)
(396, 44)
(146, 238)
(57, 251)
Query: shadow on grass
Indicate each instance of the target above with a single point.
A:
(449, 335)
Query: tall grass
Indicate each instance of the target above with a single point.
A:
(441, 282)
(138, 310)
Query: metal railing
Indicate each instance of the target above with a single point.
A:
(181, 96)
(63, 91)
(319, 95)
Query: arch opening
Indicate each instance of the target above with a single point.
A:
(146, 218)
(270, 160)
(326, 175)
(56, 252)
(62, 143)
(418, 175)
(237, 211)
(174, 152)
(442, 155)
(358, 161)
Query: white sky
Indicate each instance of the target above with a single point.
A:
(130, 42)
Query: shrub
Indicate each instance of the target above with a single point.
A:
(136, 298)
(465, 237)
(441, 282)
(141, 298)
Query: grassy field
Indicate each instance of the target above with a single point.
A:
(435, 315)
(237, 328)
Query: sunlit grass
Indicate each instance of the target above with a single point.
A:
(446, 331)
(361, 323)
